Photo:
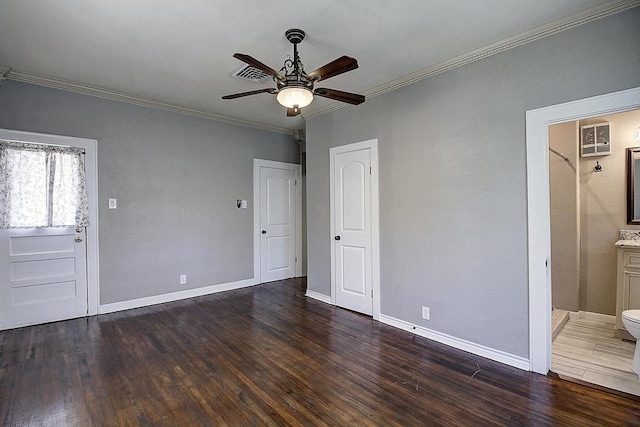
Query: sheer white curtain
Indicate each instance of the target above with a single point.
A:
(42, 186)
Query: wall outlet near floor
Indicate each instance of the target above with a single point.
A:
(183, 279)
(425, 313)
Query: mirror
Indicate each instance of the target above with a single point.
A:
(633, 185)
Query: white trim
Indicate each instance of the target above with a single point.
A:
(460, 344)
(318, 296)
(297, 169)
(372, 145)
(375, 228)
(174, 296)
(90, 147)
(589, 15)
(539, 246)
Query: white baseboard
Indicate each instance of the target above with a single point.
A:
(468, 346)
(174, 296)
(320, 297)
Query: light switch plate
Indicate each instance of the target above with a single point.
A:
(113, 203)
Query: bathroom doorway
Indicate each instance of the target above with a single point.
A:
(587, 211)
(539, 246)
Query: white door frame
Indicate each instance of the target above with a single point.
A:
(539, 228)
(371, 144)
(257, 164)
(90, 147)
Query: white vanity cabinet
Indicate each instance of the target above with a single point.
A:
(628, 292)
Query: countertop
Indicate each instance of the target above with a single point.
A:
(635, 243)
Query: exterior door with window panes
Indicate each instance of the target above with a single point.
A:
(43, 268)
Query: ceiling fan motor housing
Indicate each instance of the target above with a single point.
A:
(294, 80)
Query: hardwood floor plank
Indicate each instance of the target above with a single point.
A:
(267, 355)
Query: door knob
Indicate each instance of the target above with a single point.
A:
(79, 229)
(264, 231)
(337, 237)
(78, 240)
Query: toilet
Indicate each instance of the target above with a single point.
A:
(631, 321)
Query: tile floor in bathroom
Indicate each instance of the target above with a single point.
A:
(587, 350)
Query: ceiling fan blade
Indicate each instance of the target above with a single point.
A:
(338, 95)
(291, 112)
(259, 65)
(332, 69)
(253, 92)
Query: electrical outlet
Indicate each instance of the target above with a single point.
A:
(183, 279)
(113, 203)
(425, 313)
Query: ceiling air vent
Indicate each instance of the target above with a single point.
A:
(247, 72)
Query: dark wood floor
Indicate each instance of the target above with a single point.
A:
(267, 355)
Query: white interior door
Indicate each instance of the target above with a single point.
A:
(45, 279)
(353, 236)
(277, 223)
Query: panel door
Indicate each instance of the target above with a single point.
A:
(43, 276)
(277, 224)
(352, 233)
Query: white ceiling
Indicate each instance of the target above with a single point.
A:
(179, 53)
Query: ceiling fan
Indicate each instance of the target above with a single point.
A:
(294, 86)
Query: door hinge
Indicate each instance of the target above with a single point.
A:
(295, 182)
(371, 293)
(369, 170)
(296, 260)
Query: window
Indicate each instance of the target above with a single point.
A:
(42, 186)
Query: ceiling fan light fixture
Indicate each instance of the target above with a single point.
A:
(291, 97)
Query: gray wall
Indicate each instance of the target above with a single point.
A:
(176, 179)
(564, 204)
(453, 213)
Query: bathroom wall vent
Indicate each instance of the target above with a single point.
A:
(595, 140)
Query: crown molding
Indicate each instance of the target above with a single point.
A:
(595, 13)
(131, 99)
(589, 15)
